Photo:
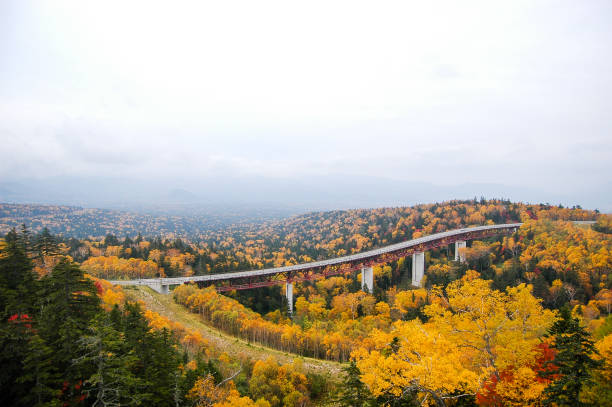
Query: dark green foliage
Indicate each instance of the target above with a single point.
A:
(39, 374)
(157, 357)
(59, 348)
(103, 351)
(17, 281)
(17, 304)
(318, 385)
(68, 303)
(111, 240)
(13, 350)
(46, 244)
(353, 393)
(573, 364)
(262, 300)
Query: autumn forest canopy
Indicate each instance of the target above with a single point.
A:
(525, 320)
(305, 204)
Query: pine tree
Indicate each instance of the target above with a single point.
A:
(39, 375)
(17, 302)
(46, 244)
(69, 301)
(112, 382)
(13, 350)
(573, 365)
(17, 281)
(353, 393)
(158, 357)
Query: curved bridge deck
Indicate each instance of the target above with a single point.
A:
(319, 269)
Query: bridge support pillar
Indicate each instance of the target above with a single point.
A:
(367, 279)
(160, 288)
(418, 268)
(289, 294)
(460, 244)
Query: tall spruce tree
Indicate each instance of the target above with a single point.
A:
(39, 377)
(17, 280)
(353, 392)
(573, 364)
(112, 382)
(17, 304)
(158, 358)
(45, 244)
(69, 301)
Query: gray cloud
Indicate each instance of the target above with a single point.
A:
(512, 94)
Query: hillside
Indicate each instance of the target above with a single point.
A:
(78, 222)
(165, 306)
(481, 330)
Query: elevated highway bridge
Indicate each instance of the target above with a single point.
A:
(242, 280)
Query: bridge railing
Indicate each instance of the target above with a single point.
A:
(368, 257)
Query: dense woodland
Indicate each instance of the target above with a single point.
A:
(524, 321)
(69, 339)
(167, 220)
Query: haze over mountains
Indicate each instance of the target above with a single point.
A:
(498, 101)
(276, 197)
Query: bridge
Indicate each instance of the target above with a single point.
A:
(242, 280)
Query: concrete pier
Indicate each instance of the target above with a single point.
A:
(160, 287)
(289, 294)
(460, 244)
(418, 268)
(367, 279)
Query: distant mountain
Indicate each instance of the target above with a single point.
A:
(177, 195)
(182, 195)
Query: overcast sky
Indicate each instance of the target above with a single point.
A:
(512, 92)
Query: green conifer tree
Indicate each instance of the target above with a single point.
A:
(18, 288)
(158, 357)
(39, 375)
(68, 303)
(112, 382)
(353, 392)
(573, 364)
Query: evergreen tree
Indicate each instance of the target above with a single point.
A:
(25, 239)
(17, 280)
(39, 375)
(69, 301)
(112, 382)
(17, 303)
(13, 350)
(353, 392)
(157, 355)
(111, 240)
(127, 242)
(573, 365)
(46, 244)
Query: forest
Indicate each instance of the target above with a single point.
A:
(525, 320)
(151, 220)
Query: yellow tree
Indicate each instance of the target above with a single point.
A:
(474, 334)
(205, 393)
(416, 359)
(498, 331)
(235, 400)
(600, 391)
(279, 385)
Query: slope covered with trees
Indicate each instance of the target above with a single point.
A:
(488, 331)
(68, 339)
